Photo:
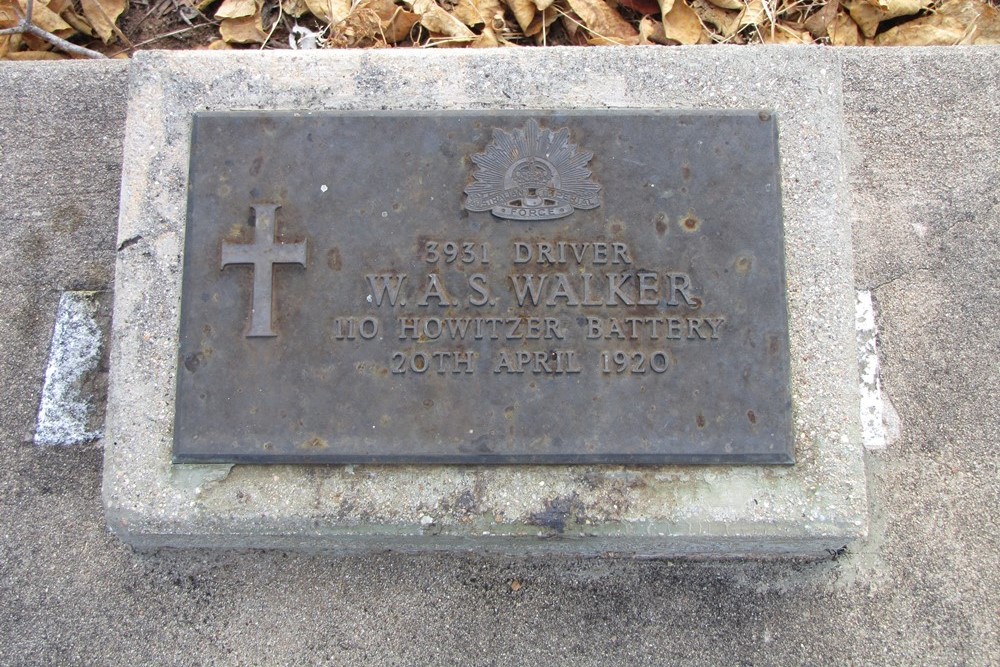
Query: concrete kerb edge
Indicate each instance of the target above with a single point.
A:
(817, 505)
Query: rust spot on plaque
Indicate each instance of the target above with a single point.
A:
(661, 224)
(751, 416)
(690, 223)
(192, 361)
(314, 443)
(333, 259)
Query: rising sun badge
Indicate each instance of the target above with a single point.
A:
(532, 174)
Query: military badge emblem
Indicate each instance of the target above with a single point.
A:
(532, 174)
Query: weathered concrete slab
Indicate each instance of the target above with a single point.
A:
(922, 589)
(815, 505)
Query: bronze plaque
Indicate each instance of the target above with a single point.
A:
(467, 287)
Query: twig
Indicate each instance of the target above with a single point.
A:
(25, 26)
(273, 26)
(164, 36)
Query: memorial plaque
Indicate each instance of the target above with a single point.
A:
(462, 287)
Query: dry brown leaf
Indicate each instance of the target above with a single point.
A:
(869, 14)
(395, 22)
(399, 26)
(244, 30)
(651, 31)
(753, 14)
(982, 20)
(490, 10)
(955, 22)
(294, 8)
(467, 12)
(818, 24)
(542, 5)
(330, 11)
(8, 17)
(535, 27)
(59, 6)
(603, 22)
(782, 34)
(524, 12)
(728, 4)
(220, 45)
(843, 31)
(440, 22)
(665, 7)
(943, 31)
(362, 27)
(726, 23)
(78, 22)
(681, 24)
(234, 9)
(35, 55)
(46, 19)
(539, 25)
(102, 14)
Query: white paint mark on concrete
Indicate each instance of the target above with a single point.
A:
(872, 406)
(67, 408)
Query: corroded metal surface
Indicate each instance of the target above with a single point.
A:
(484, 288)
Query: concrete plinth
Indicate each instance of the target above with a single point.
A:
(815, 505)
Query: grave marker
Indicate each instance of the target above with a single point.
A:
(573, 287)
(576, 505)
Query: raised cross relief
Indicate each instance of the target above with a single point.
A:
(263, 253)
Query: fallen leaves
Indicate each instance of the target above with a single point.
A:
(605, 25)
(243, 30)
(102, 15)
(843, 31)
(442, 25)
(955, 22)
(307, 24)
(868, 14)
(681, 24)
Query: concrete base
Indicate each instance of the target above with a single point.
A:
(819, 504)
